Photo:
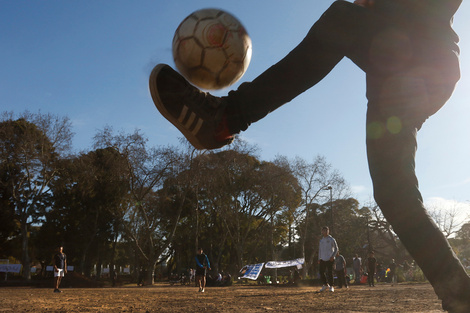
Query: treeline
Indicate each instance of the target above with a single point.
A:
(127, 203)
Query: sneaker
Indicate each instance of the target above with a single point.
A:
(323, 288)
(332, 289)
(197, 114)
(57, 291)
(458, 302)
(202, 290)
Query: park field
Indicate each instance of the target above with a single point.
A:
(248, 298)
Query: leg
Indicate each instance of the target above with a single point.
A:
(322, 270)
(393, 119)
(329, 272)
(341, 278)
(203, 282)
(209, 122)
(345, 29)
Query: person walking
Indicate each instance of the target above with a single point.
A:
(409, 53)
(327, 250)
(393, 272)
(202, 265)
(60, 267)
(340, 269)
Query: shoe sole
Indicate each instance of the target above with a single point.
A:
(161, 108)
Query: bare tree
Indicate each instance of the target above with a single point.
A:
(318, 183)
(447, 219)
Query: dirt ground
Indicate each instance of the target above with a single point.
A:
(249, 298)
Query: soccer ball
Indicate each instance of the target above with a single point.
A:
(211, 49)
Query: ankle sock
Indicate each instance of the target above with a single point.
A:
(222, 132)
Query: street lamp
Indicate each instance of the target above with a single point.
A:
(331, 207)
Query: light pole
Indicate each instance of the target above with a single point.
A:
(331, 207)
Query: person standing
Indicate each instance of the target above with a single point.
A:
(357, 265)
(60, 267)
(340, 269)
(371, 268)
(327, 250)
(393, 272)
(202, 265)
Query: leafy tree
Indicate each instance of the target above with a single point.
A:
(29, 149)
(380, 236)
(463, 243)
(464, 232)
(157, 196)
(89, 195)
(243, 196)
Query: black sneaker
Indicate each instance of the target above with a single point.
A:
(458, 305)
(455, 294)
(57, 291)
(197, 114)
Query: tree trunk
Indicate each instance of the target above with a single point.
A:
(150, 272)
(112, 270)
(25, 251)
(271, 239)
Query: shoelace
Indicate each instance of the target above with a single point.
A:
(203, 99)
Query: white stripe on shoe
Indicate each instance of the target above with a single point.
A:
(183, 114)
(198, 126)
(190, 121)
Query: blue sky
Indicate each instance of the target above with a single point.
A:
(90, 61)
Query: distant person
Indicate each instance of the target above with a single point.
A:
(296, 277)
(393, 272)
(357, 266)
(192, 275)
(410, 56)
(60, 267)
(340, 269)
(327, 250)
(371, 268)
(202, 265)
(140, 279)
(380, 272)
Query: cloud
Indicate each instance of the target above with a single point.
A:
(438, 203)
(359, 189)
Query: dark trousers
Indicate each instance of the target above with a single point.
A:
(326, 272)
(357, 274)
(341, 278)
(409, 78)
(370, 278)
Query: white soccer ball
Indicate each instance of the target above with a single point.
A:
(211, 49)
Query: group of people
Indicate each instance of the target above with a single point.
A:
(329, 259)
(59, 262)
(374, 269)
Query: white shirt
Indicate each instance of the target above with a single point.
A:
(327, 248)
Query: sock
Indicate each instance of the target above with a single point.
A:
(222, 133)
